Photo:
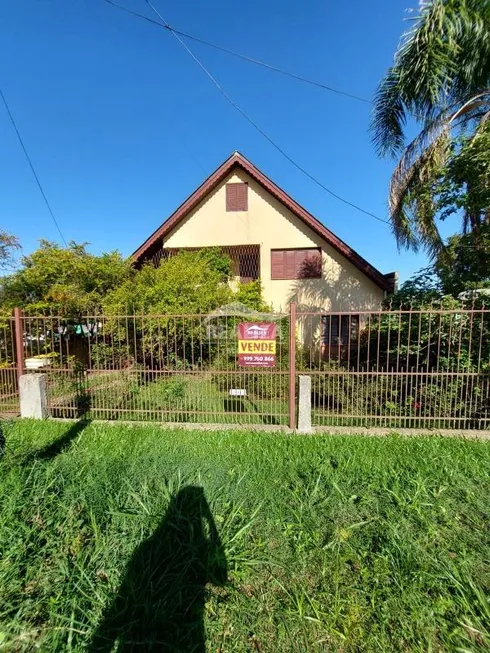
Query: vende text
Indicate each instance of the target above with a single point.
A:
(254, 346)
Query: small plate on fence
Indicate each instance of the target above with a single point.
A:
(237, 392)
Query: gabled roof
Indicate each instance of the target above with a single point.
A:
(237, 160)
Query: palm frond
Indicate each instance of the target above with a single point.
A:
(388, 116)
(410, 202)
(443, 58)
(454, 117)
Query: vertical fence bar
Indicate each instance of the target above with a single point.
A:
(19, 342)
(292, 365)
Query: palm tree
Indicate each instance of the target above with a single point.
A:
(440, 78)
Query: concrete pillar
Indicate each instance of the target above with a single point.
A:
(304, 405)
(33, 396)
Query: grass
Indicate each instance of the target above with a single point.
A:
(175, 540)
(190, 398)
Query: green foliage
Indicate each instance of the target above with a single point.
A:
(66, 281)
(172, 391)
(188, 283)
(418, 292)
(397, 401)
(458, 183)
(440, 334)
(427, 358)
(464, 183)
(113, 355)
(250, 295)
(217, 260)
(71, 282)
(8, 245)
(465, 262)
(185, 285)
(440, 78)
(191, 285)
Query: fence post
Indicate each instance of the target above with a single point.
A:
(292, 365)
(33, 396)
(304, 404)
(19, 342)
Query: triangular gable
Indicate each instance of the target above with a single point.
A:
(237, 160)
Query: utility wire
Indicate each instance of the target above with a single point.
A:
(264, 64)
(257, 62)
(134, 13)
(32, 167)
(164, 24)
(256, 126)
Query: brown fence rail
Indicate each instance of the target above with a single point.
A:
(406, 368)
(402, 368)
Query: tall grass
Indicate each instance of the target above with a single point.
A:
(147, 539)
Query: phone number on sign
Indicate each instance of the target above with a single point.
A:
(259, 359)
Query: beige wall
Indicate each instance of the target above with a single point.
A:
(271, 225)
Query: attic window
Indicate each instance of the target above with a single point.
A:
(237, 197)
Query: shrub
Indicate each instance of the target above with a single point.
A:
(172, 390)
(379, 394)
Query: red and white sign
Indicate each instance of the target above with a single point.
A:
(257, 344)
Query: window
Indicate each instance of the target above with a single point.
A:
(340, 329)
(248, 266)
(296, 263)
(237, 197)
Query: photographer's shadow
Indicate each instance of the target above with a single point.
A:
(160, 603)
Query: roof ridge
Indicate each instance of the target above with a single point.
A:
(216, 177)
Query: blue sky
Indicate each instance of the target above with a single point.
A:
(122, 125)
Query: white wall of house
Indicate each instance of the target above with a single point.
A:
(272, 226)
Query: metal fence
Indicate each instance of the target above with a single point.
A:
(9, 390)
(171, 368)
(405, 368)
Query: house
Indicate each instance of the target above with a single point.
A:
(269, 236)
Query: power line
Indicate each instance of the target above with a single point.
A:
(239, 55)
(257, 127)
(164, 24)
(133, 13)
(32, 167)
(276, 69)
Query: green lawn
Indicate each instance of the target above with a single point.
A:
(160, 541)
(192, 398)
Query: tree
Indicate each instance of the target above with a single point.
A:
(65, 281)
(440, 78)
(465, 263)
(418, 292)
(171, 302)
(8, 245)
(189, 283)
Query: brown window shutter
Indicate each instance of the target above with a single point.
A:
(299, 263)
(296, 263)
(277, 264)
(231, 194)
(290, 264)
(308, 264)
(242, 197)
(237, 197)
